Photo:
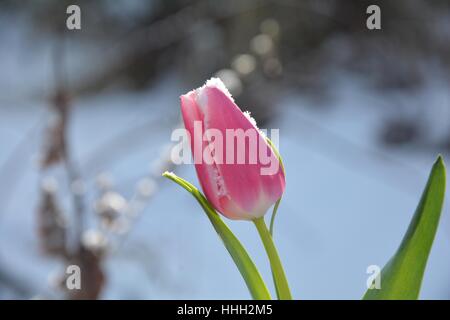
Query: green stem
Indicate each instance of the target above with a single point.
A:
(279, 277)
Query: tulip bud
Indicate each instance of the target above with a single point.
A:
(239, 172)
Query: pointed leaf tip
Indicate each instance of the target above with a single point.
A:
(440, 162)
(401, 278)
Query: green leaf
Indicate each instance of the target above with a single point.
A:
(401, 278)
(274, 214)
(277, 204)
(278, 275)
(247, 268)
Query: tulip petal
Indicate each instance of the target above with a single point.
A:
(237, 189)
(245, 185)
(191, 114)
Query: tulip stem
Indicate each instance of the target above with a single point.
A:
(279, 277)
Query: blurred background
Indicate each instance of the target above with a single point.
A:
(86, 117)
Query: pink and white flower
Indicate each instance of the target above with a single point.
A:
(241, 190)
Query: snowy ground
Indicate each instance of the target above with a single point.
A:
(347, 205)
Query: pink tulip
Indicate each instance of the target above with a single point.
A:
(238, 190)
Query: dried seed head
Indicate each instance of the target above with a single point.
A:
(95, 241)
(110, 207)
